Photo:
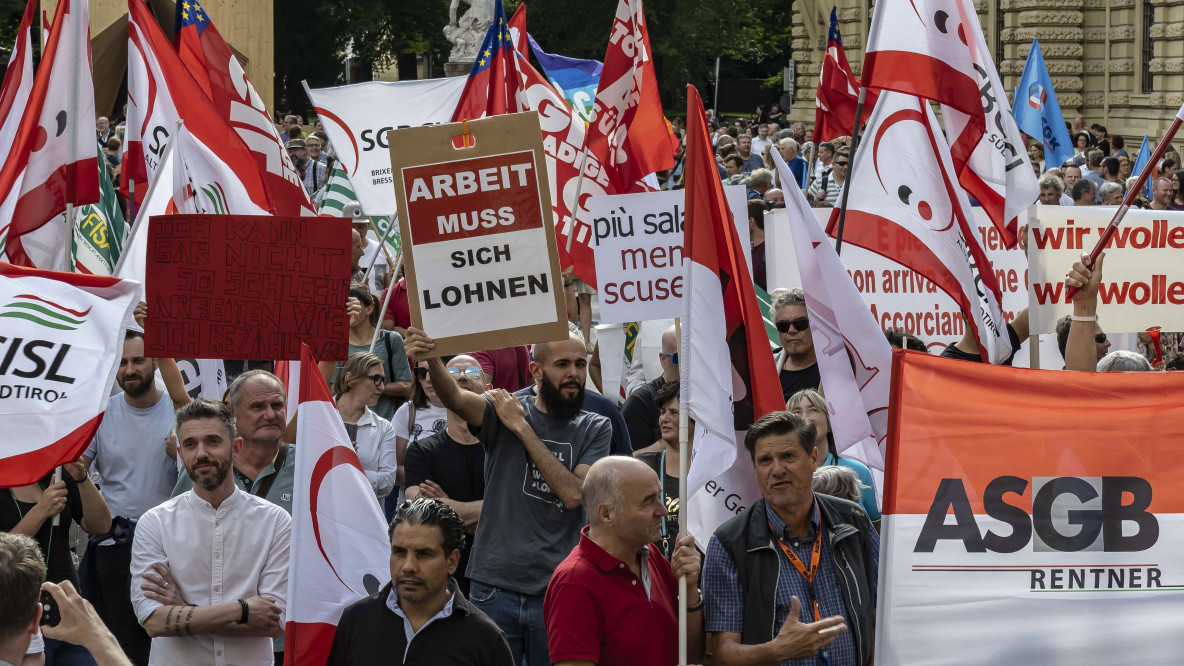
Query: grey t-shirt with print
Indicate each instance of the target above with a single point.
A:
(525, 531)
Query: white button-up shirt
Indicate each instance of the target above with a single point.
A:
(237, 551)
(378, 453)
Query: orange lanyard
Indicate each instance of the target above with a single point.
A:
(815, 558)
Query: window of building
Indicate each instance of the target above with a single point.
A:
(1148, 48)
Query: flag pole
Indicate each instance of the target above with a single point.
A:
(136, 220)
(1131, 193)
(70, 225)
(389, 262)
(575, 209)
(850, 168)
(131, 199)
(683, 466)
(381, 243)
(385, 302)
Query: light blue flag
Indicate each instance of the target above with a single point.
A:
(1141, 161)
(574, 78)
(1037, 112)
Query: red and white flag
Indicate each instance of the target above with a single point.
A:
(838, 90)
(854, 358)
(340, 550)
(289, 374)
(18, 80)
(904, 204)
(63, 338)
(158, 200)
(921, 47)
(53, 161)
(161, 91)
(203, 183)
(628, 132)
(213, 65)
(727, 366)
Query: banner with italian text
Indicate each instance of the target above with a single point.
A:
(1031, 516)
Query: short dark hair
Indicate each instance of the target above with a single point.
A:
(1111, 164)
(666, 392)
(203, 408)
(22, 571)
(1117, 142)
(1081, 188)
(132, 334)
(905, 340)
(430, 511)
(756, 211)
(782, 422)
(739, 161)
(362, 293)
(1062, 331)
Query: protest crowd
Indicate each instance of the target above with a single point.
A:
(493, 497)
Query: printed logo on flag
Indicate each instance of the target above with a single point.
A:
(1037, 96)
(44, 313)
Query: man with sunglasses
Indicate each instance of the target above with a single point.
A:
(797, 364)
(450, 465)
(828, 188)
(641, 410)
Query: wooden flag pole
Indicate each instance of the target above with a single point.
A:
(385, 302)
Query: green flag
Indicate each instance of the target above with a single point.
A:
(99, 230)
(339, 193)
(765, 302)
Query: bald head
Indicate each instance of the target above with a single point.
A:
(543, 350)
(669, 353)
(462, 362)
(670, 340)
(608, 483)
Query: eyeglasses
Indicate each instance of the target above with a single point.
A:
(842, 164)
(422, 373)
(1100, 338)
(800, 324)
(673, 356)
(378, 380)
(471, 373)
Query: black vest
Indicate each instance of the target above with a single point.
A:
(749, 543)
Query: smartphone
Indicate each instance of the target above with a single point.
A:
(50, 614)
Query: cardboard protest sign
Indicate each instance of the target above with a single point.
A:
(479, 247)
(1013, 534)
(247, 287)
(1142, 282)
(638, 244)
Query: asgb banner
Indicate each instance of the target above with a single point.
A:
(1031, 516)
(357, 118)
(60, 348)
(478, 237)
(1141, 281)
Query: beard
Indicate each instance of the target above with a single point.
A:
(564, 409)
(208, 482)
(141, 384)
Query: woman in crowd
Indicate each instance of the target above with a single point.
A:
(663, 459)
(30, 510)
(810, 404)
(430, 418)
(1124, 168)
(357, 386)
(1081, 144)
(1177, 202)
(363, 307)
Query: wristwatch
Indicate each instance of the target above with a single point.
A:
(247, 610)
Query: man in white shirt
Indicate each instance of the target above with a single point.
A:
(210, 566)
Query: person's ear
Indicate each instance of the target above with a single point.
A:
(453, 561)
(35, 623)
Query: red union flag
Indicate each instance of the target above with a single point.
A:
(18, 80)
(1032, 517)
(838, 90)
(63, 337)
(214, 67)
(903, 204)
(628, 132)
(340, 551)
(727, 364)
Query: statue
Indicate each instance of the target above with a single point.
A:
(467, 32)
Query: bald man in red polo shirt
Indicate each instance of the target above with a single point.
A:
(614, 600)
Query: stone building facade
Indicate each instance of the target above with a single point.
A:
(1115, 62)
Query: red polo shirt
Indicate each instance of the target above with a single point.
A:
(597, 610)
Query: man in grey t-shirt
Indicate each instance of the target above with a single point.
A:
(537, 451)
(130, 452)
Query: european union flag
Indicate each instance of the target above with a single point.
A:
(1037, 111)
(497, 38)
(190, 12)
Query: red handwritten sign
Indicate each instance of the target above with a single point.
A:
(247, 287)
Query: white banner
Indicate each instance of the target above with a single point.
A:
(638, 249)
(1142, 281)
(357, 117)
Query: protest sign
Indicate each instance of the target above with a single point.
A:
(1142, 284)
(479, 247)
(357, 118)
(247, 287)
(1014, 534)
(638, 247)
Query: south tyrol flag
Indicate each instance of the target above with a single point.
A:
(340, 551)
(1037, 111)
(60, 348)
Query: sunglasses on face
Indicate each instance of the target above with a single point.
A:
(1100, 338)
(673, 356)
(421, 373)
(378, 380)
(800, 324)
(471, 373)
(842, 164)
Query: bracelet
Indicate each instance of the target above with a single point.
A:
(246, 611)
(1081, 318)
(698, 606)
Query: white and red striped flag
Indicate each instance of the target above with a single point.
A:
(854, 358)
(935, 49)
(18, 80)
(838, 90)
(53, 161)
(904, 204)
(728, 375)
(340, 550)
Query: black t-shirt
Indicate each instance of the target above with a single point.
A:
(657, 462)
(759, 271)
(640, 412)
(53, 540)
(793, 381)
(953, 352)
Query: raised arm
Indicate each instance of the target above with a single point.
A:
(1080, 351)
(469, 406)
